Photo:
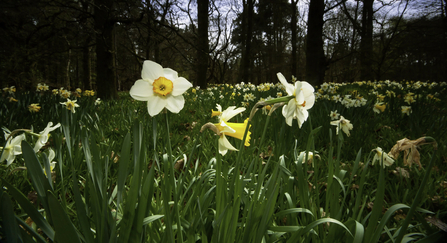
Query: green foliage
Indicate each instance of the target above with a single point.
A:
(122, 176)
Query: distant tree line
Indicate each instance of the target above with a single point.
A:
(101, 44)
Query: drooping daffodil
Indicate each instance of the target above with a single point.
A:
(304, 99)
(160, 87)
(383, 158)
(12, 148)
(51, 156)
(344, 124)
(231, 129)
(43, 136)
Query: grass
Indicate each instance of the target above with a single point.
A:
(123, 176)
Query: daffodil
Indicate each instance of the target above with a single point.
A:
(70, 104)
(44, 135)
(383, 158)
(12, 149)
(344, 124)
(303, 100)
(379, 107)
(51, 156)
(98, 101)
(34, 108)
(224, 127)
(406, 110)
(160, 87)
(334, 115)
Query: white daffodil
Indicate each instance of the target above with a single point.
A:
(406, 110)
(383, 158)
(304, 99)
(51, 156)
(344, 124)
(13, 147)
(334, 115)
(43, 136)
(160, 87)
(235, 130)
(71, 105)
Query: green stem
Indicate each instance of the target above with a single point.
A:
(173, 182)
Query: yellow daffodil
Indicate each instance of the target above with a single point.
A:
(12, 148)
(34, 108)
(11, 99)
(44, 135)
(224, 127)
(160, 87)
(383, 158)
(379, 107)
(409, 98)
(344, 124)
(303, 100)
(70, 104)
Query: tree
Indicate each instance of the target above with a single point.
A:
(203, 48)
(315, 58)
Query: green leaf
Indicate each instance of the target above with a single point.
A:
(65, 230)
(10, 227)
(152, 218)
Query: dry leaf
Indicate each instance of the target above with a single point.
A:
(411, 154)
(437, 222)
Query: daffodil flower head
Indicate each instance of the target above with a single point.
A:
(44, 135)
(12, 148)
(34, 108)
(224, 128)
(51, 156)
(379, 107)
(70, 104)
(304, 99)
(344, 124)
(161, 88)
(383, 158)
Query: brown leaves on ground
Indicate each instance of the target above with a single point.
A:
(409, 147)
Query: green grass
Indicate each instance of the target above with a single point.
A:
(123, 176)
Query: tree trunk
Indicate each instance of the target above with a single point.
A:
(203, 49)
(247, 34)
(315, 58)
(105, 56)
(293, 26)
(366, 47)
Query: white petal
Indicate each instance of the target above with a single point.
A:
(155, 104)
(181, 85)
(289, 87)
(288, 118)
(225, 145)
(170, 74)
(226, 128)
(141, 90)
(230, 112)
(151, 71)
(175, 103)
(310, 101)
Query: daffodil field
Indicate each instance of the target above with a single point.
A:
(275, 162)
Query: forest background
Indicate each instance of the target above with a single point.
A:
(89, 44)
